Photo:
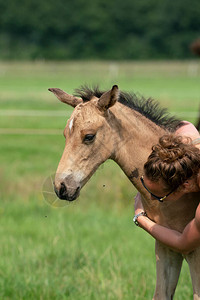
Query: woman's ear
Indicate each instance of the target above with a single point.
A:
(187, 186)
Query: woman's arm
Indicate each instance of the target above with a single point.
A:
(183, 242)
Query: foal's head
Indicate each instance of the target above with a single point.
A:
(88, 141)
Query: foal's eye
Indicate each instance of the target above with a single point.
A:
(89, 138)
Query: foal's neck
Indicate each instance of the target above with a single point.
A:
(134, 137)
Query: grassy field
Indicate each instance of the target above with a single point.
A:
(89, 249)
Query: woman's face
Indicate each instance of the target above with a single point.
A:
(158, 191)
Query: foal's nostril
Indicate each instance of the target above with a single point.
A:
(62, 191)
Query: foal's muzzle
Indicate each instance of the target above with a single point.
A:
(67, 189)
(63, 194)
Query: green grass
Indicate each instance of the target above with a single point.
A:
(75, 253)
(89, 249)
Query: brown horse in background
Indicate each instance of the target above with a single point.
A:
(121, 127)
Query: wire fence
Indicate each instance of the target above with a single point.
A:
(49, 113)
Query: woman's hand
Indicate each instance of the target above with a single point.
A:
(138, 204)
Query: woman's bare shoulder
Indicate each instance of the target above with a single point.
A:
(188, 129)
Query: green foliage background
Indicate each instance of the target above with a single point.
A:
(98, 29)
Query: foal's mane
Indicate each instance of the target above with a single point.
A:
(147, 107)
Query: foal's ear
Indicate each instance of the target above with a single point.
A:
(109, 98)
(66, 98)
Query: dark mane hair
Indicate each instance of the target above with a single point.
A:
(146, 107)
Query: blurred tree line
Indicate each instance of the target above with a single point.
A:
(98, 29)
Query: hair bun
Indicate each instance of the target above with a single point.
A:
(170, 148)
(170, 155)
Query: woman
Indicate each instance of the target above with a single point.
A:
(172, 170)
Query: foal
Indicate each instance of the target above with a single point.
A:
(123, 128)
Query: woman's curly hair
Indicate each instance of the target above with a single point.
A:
(173, 160)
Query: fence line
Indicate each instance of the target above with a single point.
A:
(30, 131)
(61, 113)
(33, 113)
